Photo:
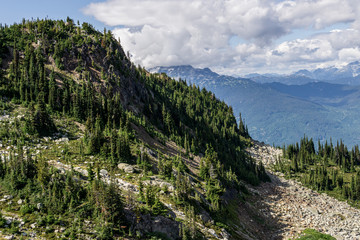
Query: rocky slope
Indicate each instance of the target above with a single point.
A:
(296, 207)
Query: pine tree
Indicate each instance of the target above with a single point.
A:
(41, 119)
(242, 128)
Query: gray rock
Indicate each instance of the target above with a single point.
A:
(158, 224)
(152, 153)
(39, 206)
(8, 197)
(126, 167)
(104, 173)
(205, 217)
(212, 232)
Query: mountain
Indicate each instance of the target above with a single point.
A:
(292, 79)
(321, 92)
(278, 113)
(93, 147)
(347, 75)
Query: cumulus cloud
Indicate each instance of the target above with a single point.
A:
(317, 14)
(198, 32)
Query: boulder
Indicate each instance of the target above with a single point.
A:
(160, 224)
(205, 217)
(104, 173)
(126, 167)
(39, 206)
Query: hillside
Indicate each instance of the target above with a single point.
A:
(281, 114)
(93, 147)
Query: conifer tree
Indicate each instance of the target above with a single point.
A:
(41, 119)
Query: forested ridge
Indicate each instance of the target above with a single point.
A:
(332, 168)
(73, 109)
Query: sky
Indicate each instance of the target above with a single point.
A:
(233, 37)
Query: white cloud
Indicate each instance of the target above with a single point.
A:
(349, 55)
(315, 13)
(197, 32)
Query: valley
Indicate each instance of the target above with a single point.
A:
(281, 114)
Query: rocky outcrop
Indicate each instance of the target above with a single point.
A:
(148, 224)
(126, 167)
(296, 207)
(264, 153)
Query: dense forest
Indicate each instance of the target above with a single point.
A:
(332, 168)
(70, 95)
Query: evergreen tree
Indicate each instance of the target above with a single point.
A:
(41, 120)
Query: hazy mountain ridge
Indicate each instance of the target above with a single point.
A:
(348, 74)
(279, 113)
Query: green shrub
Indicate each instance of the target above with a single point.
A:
(2, 221)
(26, 208)
(311, 234)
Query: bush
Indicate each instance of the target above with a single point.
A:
(311, 234)
(2, 221)
(104, 232)
(27, 208)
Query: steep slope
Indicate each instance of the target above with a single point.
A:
(79, 122)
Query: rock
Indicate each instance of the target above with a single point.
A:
(225, 235)
(205, 217)
(126, 167)
(212, 232)
(298, 207)
(104, 173)
(20, 201)
(39, 206)
(60, 140)
(152, 153)
(158, 224)
(61, 170)
(8, 197)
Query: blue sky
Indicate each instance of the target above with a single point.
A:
(234, 37)
(15, 10)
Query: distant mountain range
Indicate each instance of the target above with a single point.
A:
(348, 74)
(278, 113)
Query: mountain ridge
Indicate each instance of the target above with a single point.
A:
(282, 113)
(348, 74)
(93, 147)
